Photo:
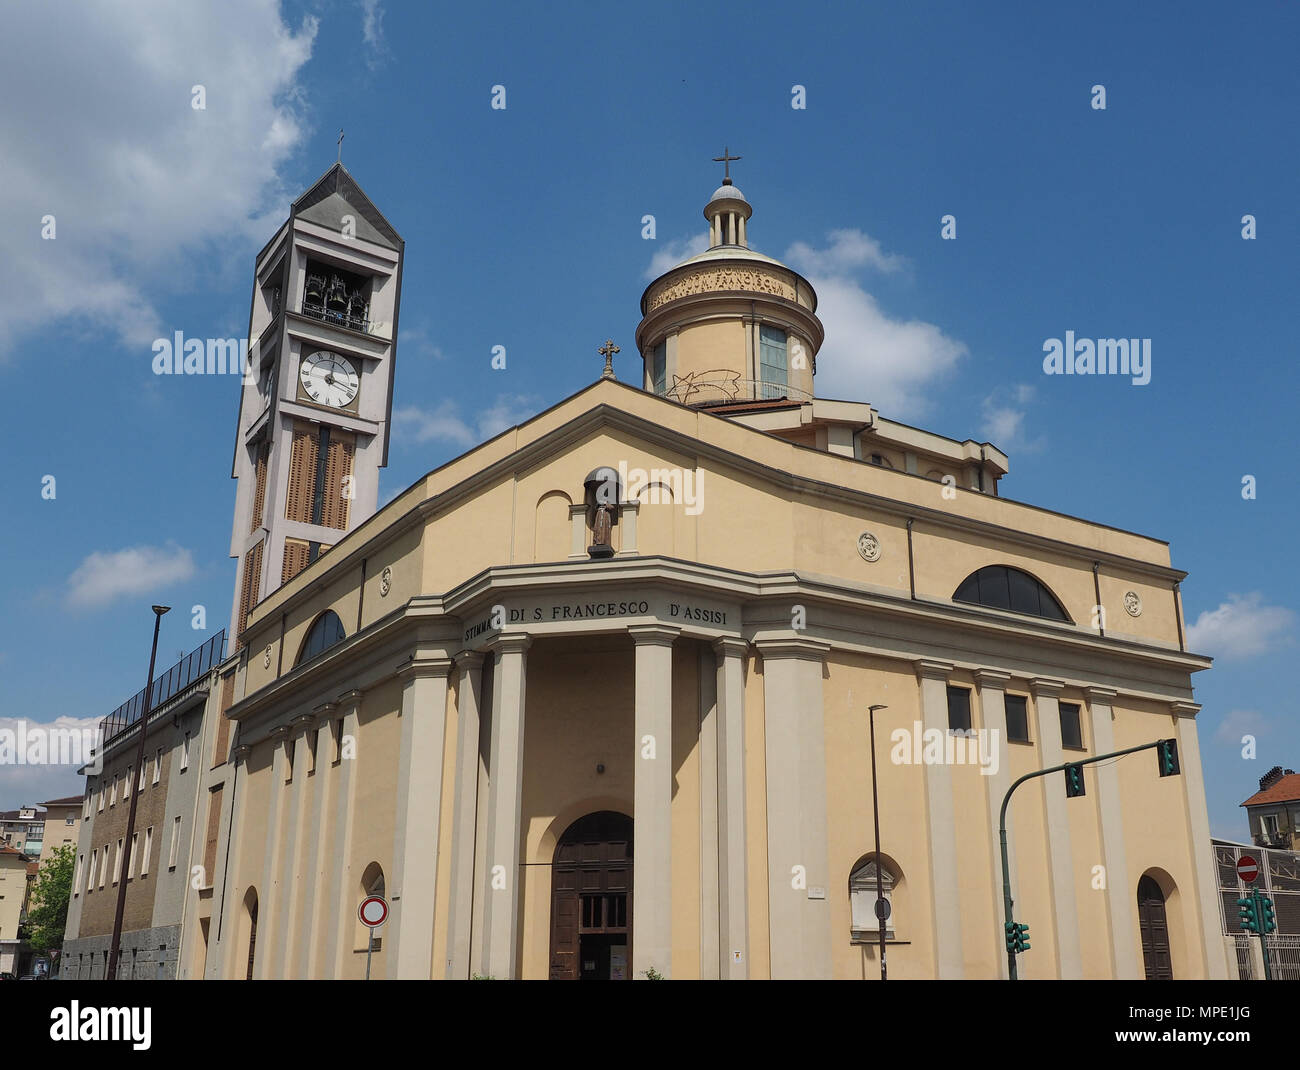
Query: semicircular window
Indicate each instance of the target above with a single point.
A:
(323, 634)
(1002, 587)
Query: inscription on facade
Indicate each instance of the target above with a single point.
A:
(709, 281)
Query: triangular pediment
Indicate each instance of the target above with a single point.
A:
(337, 194)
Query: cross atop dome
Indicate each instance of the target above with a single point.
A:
(726, 160)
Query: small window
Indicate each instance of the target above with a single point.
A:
(76, 876)
(103, 866)
(157, 766)
(772, 361)
(1071, 730)
(90, 876)
(185, 752)
(101, 800)
(176, 843)
(117, 862)
(130, 862)
(659, 368)
(1017, 718)
(112, 798)
(69, 820)
(862, 900)
(148, 848)
(323, 634)
(144, 769)
(958, 709)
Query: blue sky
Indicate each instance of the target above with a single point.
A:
(523, 229)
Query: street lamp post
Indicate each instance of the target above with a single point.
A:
(875, 807)
(113, 948)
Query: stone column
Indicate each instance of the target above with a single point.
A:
(710, 955)
(269, 921)
(343, 900)
(992, 690)
(945, 886)
(1119, 903)
(290, 886)
(1198, 829)
(733, 901)
(469, 665)
(797, 851)
(318, 848)
(418, 819)
(1065, 917)
(652, 793)
(505, 799)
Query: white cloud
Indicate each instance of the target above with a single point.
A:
(867, 355)
(673, 252)
(1240, 627)
(445, 423)
(103, 577)
(415, 341)
(848, 250)
(372, 32)
(144, 188)
(1004, 413)
(1240, 723)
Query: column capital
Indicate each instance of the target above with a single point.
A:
(279, 732)
(933, 670)
(241, 753)
(992, 678)
(1184, 709)
(324, 713)
(1047, 688)
(302, 720)
(468, 660)
(730, 646)
(653, 634)
(510, 643)
(1102, 696)
(424, 667)
(793, 647)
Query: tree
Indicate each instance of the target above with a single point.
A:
(47, 911)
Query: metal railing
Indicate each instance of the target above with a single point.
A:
(190, 669)
(340, 319)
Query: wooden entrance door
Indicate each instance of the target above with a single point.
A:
(591, 899)
(1155, 931)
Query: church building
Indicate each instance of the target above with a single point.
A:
(590, 701)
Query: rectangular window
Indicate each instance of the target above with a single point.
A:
(130, 862)
(117, 863)
(958, 709)
(127, 781)
(157, 765)
(185, 752)
(144, 770)
(103, 866)
(1017, 718)
(659, 368)
(76, 877)
(176, 843)
(90, 876)
(101, 799)
(112, 798)
(148, 848)
(210, 842)
(772, 361)
(1071, 730)
(69, 820)
(85, 814)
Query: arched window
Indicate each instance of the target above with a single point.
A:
(323, 634)
(862, 899)
(1003, 587)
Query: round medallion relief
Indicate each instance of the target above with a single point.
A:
(385, 582)
(1133, 603)
(869, 546)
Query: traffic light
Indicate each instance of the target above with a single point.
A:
(1167, 757)
(1011, 933)
(1017, 937)
(1022, 937)
(1267, 919)
(1073, 781)
(1246, 914)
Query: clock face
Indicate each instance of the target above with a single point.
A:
(329, 379)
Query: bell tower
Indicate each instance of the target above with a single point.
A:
(314, 414)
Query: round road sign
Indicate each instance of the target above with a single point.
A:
(882, 909)
(1247, 868)
(373, 911)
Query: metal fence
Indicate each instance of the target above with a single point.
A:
(195, 665)
(1279, 879)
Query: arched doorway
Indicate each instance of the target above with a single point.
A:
(591, 899)
(1154, 928)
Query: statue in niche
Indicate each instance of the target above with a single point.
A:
(601, 529)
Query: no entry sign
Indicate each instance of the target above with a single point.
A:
(1247, 868)
(373, 911)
